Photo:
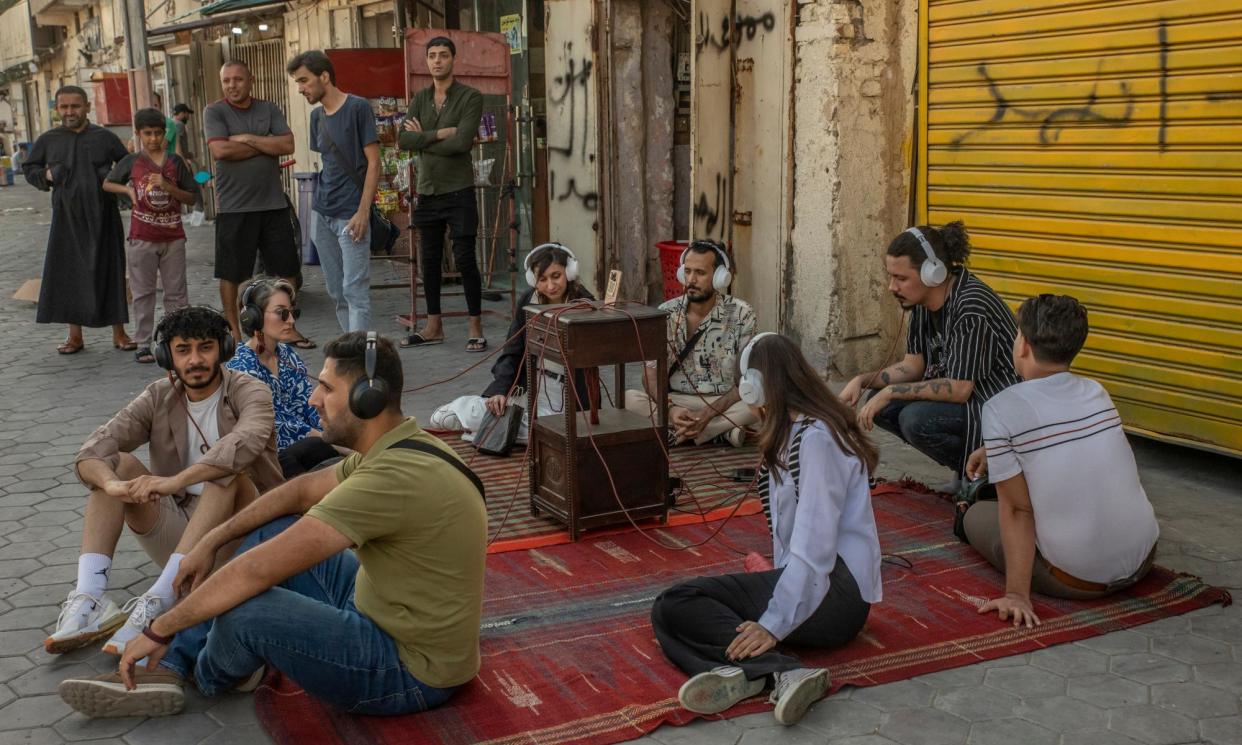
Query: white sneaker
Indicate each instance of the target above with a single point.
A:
(796, 690)
(445, 418)
(142, 611)
(713, 692)
(252, 682)
(83, 620)
(736, 437)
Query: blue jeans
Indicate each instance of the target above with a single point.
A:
(936, 429)
(308, 629)
(346, 267)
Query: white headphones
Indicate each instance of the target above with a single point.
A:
(571, 266)
(933, 272)
(723, 275)
(750, 387)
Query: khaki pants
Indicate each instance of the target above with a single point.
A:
(737, 415)
(145, 259)
(982, 526)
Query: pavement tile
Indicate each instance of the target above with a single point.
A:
(780, 735)
(1149, 668)
(33, 712)
(1010, 732)
(1223, 731)
(1226, 676)
(1062, 714)
(925, 727)
(20, 642)
(969, 675)
(837, 717)
(40, 736)
(26, 550)
(1026, 682)
(1105, 737)
(1191, 649)
(11, 667)
(1070, 660)
(24, 618)
(1223, 627)
(233, 709)
(904, 694)
(1107, 691)
(977, 703)
(1152, 725)
(183, 728)
(1172, 626)
(76, 727)
(45, 678)
(18, 568)
(1195, 700)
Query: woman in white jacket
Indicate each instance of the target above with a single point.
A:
(723, 631)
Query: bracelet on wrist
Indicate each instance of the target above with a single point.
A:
(161, 640)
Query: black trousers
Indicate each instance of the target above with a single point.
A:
(936, 429)
(697, 620)
(457, 212)
(305, 455)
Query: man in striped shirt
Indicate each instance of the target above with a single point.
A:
(958, 350)
(1072, 520)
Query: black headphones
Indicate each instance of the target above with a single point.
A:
(163, 352)
(369, 396)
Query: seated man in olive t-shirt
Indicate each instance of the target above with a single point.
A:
(391, 628)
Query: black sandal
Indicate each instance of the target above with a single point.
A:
(418, 340)
(144, 356)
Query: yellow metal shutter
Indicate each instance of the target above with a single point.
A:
(1095, 149)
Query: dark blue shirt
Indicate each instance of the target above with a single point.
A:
(352, 128)
(291, 390)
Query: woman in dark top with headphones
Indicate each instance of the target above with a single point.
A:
(552, 273)
(724, 630)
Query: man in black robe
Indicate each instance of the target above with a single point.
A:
(84, 270)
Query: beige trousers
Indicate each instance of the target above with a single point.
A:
(737, 415)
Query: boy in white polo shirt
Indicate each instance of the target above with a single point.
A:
(1072, 520)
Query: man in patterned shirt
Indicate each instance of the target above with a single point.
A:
(707, 330)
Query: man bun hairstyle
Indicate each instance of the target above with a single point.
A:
(950, 243)
(315, 61)
(349, 351)
(149, 119)
(1055, 326)
(443, 41)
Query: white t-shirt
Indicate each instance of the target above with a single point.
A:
(204, 413)
(1092, 517)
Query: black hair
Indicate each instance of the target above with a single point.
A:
(349, 351)
(707, 246)
(315, 61)
(555, 255)
(1055, 326)
(70, 90)
(950, 243)
(443, 41)
(149, 119)
(194, 322)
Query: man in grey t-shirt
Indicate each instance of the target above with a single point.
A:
(246, 137)
(343, 132)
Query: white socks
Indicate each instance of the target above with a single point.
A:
(164, 585)
(93, 574)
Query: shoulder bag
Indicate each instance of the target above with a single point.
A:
(383, 233)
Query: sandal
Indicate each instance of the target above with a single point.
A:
(476, 344)
(303, 343)
(71, 347)
(144, 356)
(418, 340)
(128, 345)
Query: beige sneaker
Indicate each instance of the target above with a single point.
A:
(796, 690)
(713, 692)
(159, 693)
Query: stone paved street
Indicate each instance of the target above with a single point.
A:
(1176, 681)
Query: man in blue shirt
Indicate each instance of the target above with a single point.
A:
(343, 132)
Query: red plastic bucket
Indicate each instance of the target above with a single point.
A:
(670, 259)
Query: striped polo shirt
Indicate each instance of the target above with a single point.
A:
(972, 341)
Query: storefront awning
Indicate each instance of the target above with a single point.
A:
(213, 13)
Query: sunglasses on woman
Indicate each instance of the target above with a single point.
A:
(284, 313)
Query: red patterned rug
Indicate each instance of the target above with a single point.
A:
(569, 656)
(709, 493)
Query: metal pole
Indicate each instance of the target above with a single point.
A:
(136, 54)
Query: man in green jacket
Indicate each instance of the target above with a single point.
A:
(441, 125)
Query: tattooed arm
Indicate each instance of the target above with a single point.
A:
(908, 370)
(936, 389)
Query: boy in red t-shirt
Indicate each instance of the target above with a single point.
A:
(158, 183)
